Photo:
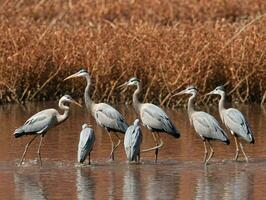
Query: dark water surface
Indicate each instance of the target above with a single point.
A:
(179, 173)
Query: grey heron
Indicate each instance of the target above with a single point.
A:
(234, 121)
(105, 115)
(152, 117)
(204, 124)
(42, 121)
(132, 141)
(86, 142)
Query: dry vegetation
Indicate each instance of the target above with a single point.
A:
(168, 44)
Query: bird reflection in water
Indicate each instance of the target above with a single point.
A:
(85, 184)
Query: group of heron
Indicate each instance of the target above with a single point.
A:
(150, 115)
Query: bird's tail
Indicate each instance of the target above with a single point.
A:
(19, 132)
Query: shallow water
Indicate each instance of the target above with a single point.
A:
(179, 172)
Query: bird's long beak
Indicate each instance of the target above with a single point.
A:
(71, 76)
(179, 93)
(209, 93)
(123, 85)
(76, 103)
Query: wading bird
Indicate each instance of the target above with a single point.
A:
(204, 124)
(152, 117)
(86, 142)
(234, 121)
(105, 115)
(132, 141)
(42, 121)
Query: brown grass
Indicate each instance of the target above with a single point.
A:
(168, 44)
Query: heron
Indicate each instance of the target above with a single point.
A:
(206, 126)
(132, 141)
(42, 121)
(105, 115)
(235, 121)
(86, 142)
(152, 117)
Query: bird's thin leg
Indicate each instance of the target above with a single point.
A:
(89, 158)
(237, 149)
(205, 151)
(119, 141)
(26, 149)
(156, 144)
(111, 154)
(155, 147)
(211, 154)
(115, 147)
(157, 150)
(242, 149)
(39, 150)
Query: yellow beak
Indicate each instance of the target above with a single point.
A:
(71, 76)
(123, 85)
(76, 103)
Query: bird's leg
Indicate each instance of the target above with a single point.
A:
(26, 148)
(211, 154)
(115, 147)
(138, 158)
(156, 144)
(237, 149)
(157, 150)
(39, 150)
(242, 149)
(111, 154)
(119, 141)
(205, 151)
(155, 147)
(89, 158)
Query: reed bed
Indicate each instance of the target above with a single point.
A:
(168, 44)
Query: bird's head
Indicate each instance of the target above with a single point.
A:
(218, 90)
(68, 99)
(189, 90)
(137, 122)
(132, 81)
(80, 73)
(85, 126)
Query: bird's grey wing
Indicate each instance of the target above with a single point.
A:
(237, 123)
(208, 127)
(156, 118)
(136, 139)
(128, 135)
(40, 122)
(86, 142)
(86, 139)
(109, 117)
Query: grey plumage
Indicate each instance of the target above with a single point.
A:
(152, 117)
(235, 121)
(204, 124)
(132, 141)
(42, 121)
(105, 115)
(156, 120)
(38, 123)
(86, 142)
(208, 127)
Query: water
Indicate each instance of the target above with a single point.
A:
(179, 173)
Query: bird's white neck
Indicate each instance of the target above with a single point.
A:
(221, 104)
(89, 103)
(136, 102)
(64, 116)
(190, 107)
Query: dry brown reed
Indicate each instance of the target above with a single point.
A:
(168, 44)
